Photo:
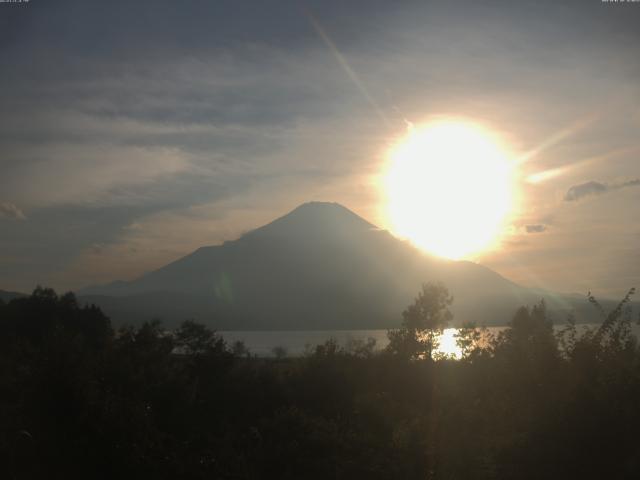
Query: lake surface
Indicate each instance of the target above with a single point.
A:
(296, 343)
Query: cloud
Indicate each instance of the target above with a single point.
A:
(538, 228)
(240, 107)
(576, 192)
(10, 211)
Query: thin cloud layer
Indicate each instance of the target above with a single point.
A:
(121, 115)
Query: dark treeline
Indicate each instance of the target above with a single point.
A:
(78, 399)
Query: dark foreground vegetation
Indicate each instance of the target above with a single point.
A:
(78, 400)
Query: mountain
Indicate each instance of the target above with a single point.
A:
(8, 296)
(319, 267)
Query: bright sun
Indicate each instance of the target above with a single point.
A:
(449, 188)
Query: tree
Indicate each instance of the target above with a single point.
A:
(196, 339)
(530, 337)
(279, 352)
(422, 323)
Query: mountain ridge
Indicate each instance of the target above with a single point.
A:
(6, 296)
(320, 266)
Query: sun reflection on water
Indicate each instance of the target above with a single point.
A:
(447, 345)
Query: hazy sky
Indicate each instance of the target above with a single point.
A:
(132, 133)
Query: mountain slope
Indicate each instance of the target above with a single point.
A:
(319, 267)
(6, 296)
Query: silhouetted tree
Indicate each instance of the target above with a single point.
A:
(77, 401)
(196, 339)
(239, 349)
(279, 352)
(422, 323)
(530, 337)
(473, 341)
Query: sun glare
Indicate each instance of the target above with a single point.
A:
(448, 188)
(448, 345)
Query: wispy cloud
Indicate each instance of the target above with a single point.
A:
(577, 192)
(10, 211)
(248, 107)
(537, 228)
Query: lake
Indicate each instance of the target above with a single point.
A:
(296, 343)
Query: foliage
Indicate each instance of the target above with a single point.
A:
(422, 323)
(195, 339)
(473, 341)
(78, 399)
(279, 352)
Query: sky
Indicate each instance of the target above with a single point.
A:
(132, 133)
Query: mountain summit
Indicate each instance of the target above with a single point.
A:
(320, 266)
(315, 218)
